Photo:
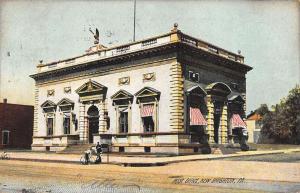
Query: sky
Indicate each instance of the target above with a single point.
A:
(266, 32)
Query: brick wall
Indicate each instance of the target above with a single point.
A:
(18, 120)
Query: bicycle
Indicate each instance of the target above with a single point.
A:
(83, 160)
(98, 158)
(4, 156)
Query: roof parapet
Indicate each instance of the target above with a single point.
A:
(99, 51)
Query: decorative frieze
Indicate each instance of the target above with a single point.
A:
(124, 81)
(50, 92)
(123, 49)
(149, 77)
(67, 90)
(149, 42)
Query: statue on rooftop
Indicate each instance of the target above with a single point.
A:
(96, 35)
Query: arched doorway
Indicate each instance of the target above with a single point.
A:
(93, 120)
(218, 93)
(197, 110)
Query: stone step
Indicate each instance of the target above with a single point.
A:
(217, 151)
(76, 149)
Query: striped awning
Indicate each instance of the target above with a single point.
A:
(196, 117)
(236, 121)
(147, 110)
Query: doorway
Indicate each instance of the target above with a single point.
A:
(216, 127)
(217, 118)
(93, 120)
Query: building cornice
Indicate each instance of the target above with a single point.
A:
(177, 47)
(118, 59)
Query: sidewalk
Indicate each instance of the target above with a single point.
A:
(134, 161)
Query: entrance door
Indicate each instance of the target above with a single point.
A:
(93, 117)
(217, 118)
(93, 127)
(216, 127)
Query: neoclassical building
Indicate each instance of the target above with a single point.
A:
(159, 95)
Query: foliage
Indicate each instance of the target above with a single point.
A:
(282, 122)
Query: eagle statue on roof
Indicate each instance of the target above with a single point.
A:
(96, 35)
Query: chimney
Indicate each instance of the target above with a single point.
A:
(5, 101)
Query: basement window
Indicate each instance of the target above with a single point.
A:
(121, 149)
(147, 149)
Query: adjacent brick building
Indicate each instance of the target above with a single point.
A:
(16, 123)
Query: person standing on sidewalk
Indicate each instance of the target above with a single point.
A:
(99, 151)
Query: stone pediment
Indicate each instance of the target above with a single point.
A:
(147, 92)
(65, 102)
(48, 104)
(91, 87)
(236, 98)
(197, 90)
(91, 91)
(121, 95)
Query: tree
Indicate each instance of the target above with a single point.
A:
(282, 123)
(263, 109)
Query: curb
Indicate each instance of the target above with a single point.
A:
(144, 164)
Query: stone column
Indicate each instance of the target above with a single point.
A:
(210, 119)
(102, 120)
(176, 98)
(229, 114)
(59, 123)
(82, 123)
(244, 105)
(224, 125)
(36, 113)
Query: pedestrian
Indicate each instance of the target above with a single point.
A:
(87, 155)
(99, 151)
(98, 148)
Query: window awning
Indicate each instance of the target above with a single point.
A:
(147, 110)
(236, 121)
(196, 117)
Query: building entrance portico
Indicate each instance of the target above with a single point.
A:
(217, 112)
(92, 119)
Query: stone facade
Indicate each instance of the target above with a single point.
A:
(135, 97)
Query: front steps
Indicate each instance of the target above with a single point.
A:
(76, 149)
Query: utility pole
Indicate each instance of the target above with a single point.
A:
(134, 14)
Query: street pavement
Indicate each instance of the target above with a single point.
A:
(137, 161)
(215, 176)
(253, 171)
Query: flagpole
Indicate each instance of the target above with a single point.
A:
(134, 13)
